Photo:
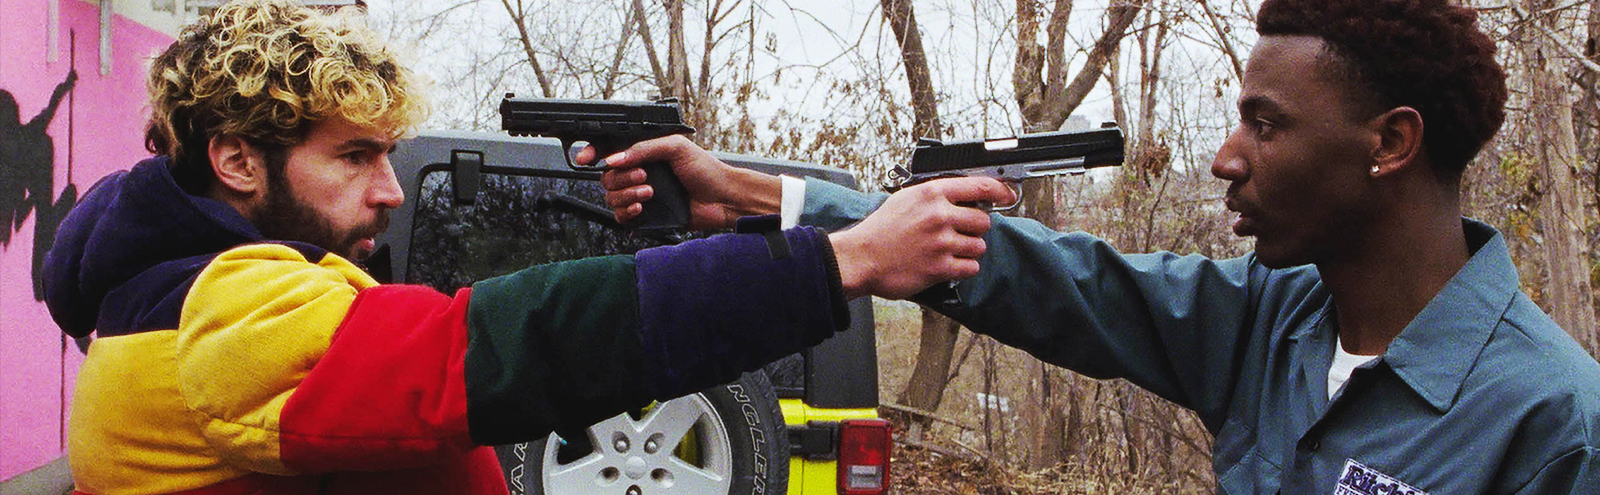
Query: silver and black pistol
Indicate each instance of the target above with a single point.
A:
(1010, 160)
(611, 126)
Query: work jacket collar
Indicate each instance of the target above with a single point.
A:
(1436, 351)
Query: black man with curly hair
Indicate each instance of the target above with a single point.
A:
(1375, 342)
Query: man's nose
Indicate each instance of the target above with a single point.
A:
(386, 192)
(1229, 163)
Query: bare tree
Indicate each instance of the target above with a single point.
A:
(1046, 97)
(659, 75)
(1043, 91)
(1151, 158)
(1224, 38)
(697, 93)
(925, 389)
(519, 16)
(678, 78)
(609, 87)
(1570, 296)
(1591, 81)
(902, 20)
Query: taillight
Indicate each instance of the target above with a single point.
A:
(864, 446)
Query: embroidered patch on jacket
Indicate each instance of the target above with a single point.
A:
(1358, 479)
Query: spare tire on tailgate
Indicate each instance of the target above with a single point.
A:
(728, 439)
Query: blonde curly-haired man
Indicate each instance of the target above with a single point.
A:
(240, 349)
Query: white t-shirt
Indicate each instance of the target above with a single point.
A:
(1344, 363)
(794, 200)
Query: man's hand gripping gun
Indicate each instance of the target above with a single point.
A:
(1010, 160)
(611, 126)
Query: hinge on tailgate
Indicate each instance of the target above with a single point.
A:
(815, 440)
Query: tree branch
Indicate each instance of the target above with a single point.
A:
(677, 54)
(924, 103)
(609, 87)
(649, 46)
(1522, 15)
(527, 47)
(1055, 52)
(1222, 36)
(1121, 16)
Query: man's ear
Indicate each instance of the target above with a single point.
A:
(240, 167)
(1399, 141)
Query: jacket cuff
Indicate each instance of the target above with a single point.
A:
(713, 308)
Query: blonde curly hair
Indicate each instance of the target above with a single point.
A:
(266, 70)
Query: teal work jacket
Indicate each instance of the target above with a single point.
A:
(1481, 393)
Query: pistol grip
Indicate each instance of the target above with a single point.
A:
(667, 210)
(940, 295)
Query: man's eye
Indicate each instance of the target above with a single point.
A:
(1260, 126)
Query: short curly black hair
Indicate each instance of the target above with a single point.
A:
(1425, 54)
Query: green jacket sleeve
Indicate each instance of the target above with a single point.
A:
(553, 347)
(565, 345)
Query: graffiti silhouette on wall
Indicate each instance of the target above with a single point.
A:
(27, 177)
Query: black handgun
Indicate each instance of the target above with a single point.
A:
(611, 126)
(1012, 159)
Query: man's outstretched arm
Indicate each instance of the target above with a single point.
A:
(1171, 324)
(914, 239)
(295, 362)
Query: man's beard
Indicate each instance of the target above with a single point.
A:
(283, 218)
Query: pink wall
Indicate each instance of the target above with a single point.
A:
(104, 115)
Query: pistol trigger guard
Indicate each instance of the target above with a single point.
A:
(1016, 189)
(567, 154)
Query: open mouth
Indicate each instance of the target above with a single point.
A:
(1243, 223)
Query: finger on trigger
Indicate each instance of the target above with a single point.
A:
(974, 189)
(585, 155)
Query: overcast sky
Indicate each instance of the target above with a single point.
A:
(807, 46)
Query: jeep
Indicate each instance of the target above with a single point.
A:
(484, 204)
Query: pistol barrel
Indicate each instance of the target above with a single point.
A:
(616, 121)
(1038, 154)
(1012, 159)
